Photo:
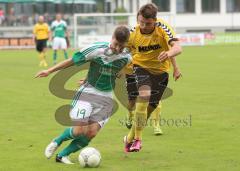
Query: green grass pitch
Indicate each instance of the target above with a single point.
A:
(208, 92)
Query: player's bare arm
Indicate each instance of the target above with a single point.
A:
(174, 51)
(65, 64)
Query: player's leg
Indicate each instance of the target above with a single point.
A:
(44, 53)
(155, 120)
(39, 48)
(133, 140)
(82, 136)
(65, 136)
(128, 140)
(132, 91)
(55, 47)
(45, 64)
(65, 54)
(54, 57)
(68, 132)
(140, 119)
(154, 107)
(158, 87)
(64, 47)
(130, 115)
(91, 111)
(144, 89)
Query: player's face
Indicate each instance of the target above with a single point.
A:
(58, 17)
(41, 19)
(116, 46)
(147, 25)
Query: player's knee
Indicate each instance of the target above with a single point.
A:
(144, 92)
(144, 95)
(91, 133)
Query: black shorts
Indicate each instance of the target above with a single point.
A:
(157, 83)
(131, 85)
(41, 44)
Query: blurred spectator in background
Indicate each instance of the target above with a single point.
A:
(49, 18)
(2, 16)
(12, 18)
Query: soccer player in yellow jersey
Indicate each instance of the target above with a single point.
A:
(40, 35)
(153, 45)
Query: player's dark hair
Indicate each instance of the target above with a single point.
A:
(121, 34)
(148, 11)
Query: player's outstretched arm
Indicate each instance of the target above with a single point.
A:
(65, 64)
(175, 50)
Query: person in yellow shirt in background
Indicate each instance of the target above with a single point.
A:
(40, 35)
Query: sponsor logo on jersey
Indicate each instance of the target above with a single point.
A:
(148, 48)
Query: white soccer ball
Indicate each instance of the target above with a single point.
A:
(89, 157)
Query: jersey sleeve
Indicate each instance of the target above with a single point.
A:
(86, 54)
(52, 27)
(65, 25)
(167, 31)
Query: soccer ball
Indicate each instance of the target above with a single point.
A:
(89, 157)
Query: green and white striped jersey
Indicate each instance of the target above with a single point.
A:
(104, 65)
(59, 28)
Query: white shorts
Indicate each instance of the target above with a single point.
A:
(91, 105)
(59, 43)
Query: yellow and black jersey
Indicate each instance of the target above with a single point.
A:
(41, 31)
(145, 48)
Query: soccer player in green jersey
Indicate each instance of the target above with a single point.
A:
(92, 105)
(59, 34)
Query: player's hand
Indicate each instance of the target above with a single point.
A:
(176, 74)
(163, 56)
(43, 73)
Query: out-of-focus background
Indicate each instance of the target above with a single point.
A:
(214, 21)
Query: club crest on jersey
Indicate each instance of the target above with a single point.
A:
(148, 48)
